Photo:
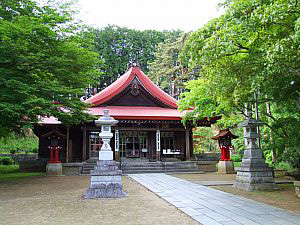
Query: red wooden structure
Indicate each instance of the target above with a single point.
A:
(224, 138)
(54, 149)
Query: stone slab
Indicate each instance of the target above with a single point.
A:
(54, 169)
(225, 167)
(187, 197)
(205, 220)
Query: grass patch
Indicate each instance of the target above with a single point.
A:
(11, 172)
(9, 169)
(18, 144)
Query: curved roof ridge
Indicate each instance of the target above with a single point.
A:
(121, 83)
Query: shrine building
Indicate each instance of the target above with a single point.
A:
(149, 126)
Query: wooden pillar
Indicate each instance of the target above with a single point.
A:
(158, 144)
(84, 144)
(187, 145)
(117, 152)
(68, 149)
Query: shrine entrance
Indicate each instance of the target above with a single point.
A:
(133, 144)
(95, 144)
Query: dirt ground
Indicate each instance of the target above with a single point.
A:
(58, 200)
(284, 198)
(205, 176)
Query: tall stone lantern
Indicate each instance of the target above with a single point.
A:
(106, 177)
(106, 122)
(254, 173)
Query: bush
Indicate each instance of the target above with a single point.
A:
(16, 142)
(6, 160)
(35, 150)
(12, 151)
(283, 166)
(236, 158)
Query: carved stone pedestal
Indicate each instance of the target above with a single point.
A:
(105, 181)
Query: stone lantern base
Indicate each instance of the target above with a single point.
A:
(255, 175)
(54, 169)
(105, 181)
(225, 167)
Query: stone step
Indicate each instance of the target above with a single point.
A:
(143, 168)
(150, 164)
(141, 164)
(148, 167)
(161, 171)
(88, 166)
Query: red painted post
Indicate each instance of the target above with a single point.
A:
(56, 154)
(225, 153)
(222, 153)
(51, 155)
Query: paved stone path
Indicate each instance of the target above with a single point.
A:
(213, 207)
(222, 183)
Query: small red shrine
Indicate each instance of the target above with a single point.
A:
(149, 124)
(224, 137)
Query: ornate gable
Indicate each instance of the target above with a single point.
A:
(134, 88)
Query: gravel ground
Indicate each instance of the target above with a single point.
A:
(58, 200)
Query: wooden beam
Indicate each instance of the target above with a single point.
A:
(84, 144)
(138, 128)
(68, 147)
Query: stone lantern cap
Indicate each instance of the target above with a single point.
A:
(106, 119)
(250, 122)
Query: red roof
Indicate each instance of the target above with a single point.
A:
(138, 112)
(224, 134)
(120, 84)
(128, 112)
(131, 112)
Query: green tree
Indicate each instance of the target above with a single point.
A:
(166, 70)
(120, 46)
(44, 59)
(252, 48)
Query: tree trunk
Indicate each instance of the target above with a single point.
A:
(271, 136)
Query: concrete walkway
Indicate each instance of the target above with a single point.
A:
(213, 207)
(222, 183)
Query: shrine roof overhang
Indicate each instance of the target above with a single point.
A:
(224, 134)
(138, 112)
(120, 84)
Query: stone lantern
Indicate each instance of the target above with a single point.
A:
(106, 122)
(224, 138)
(254, 173)
(106, 177)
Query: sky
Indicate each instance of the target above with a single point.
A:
(186, 15)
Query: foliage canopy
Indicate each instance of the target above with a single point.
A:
(252, 48)
(44, 57)
(120, 46)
